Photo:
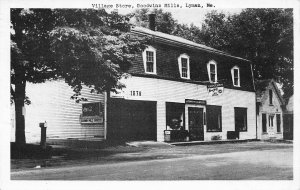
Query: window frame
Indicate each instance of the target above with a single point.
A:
(264, 121)
(170, 112)
(278, 121)
(270, 97)
(239, 110)
(233, 77)
(212, 62)
(149, 49)
(271, 120)
(92, 107)
(184, 56)
(219, 117)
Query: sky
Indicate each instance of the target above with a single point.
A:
(189, 16)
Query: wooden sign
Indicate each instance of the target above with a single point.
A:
(215, 89)
(92, 113)
(198, 102)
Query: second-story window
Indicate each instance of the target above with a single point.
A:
(212, 71)
(150, 61)
(184, 66)
(149, 58)
(271, 97)
(235, 74)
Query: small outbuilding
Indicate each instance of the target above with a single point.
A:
(269, 109)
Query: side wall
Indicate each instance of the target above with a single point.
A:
(51, 102)
(164, 91)
(290, 105)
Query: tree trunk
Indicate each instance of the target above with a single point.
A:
(20, 86)
(19, 117)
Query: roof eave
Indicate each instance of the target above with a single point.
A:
(165, 40)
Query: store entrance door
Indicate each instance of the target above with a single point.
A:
(195, 116)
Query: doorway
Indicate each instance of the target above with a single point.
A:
(131, 120)
(195, 116)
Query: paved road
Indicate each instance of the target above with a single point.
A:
(263, 164)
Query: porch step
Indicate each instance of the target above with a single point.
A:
(211, 142)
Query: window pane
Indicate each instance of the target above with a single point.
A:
(213, 77)
(271, 96)
(212, 68)
(213, 72)
(240, 119)
(264, 122)
(236, 81)
(278, 122)
(214, 118)
(149, 56)
(184, 67)
(236, 73)
(236, 76)
(184, 72)
(271, 117)
(90, 109)
(175, 115)
(149, 67)
(183, 62)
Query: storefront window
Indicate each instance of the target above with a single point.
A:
(175, 116)
(214, 118)
(240, 115)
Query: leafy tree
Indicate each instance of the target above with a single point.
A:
(93, 48)
(189, 32)
(264, 36)
(83, 46)
(30, 60)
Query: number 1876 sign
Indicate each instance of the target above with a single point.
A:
(215, 89)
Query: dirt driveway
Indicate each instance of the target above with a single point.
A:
(137, 152)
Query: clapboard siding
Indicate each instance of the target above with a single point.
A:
(164, 91)
(51, 102)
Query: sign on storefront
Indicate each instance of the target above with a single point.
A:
(92, 113)
(118, 94)
(215, 89)
(199, 102)
(126, 93)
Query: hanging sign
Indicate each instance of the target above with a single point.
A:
(215, 89)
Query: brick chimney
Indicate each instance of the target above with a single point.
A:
(152, 21)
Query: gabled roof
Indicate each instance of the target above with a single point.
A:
(261, 86)
(181, 41)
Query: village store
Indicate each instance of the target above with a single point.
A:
(184, 90)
